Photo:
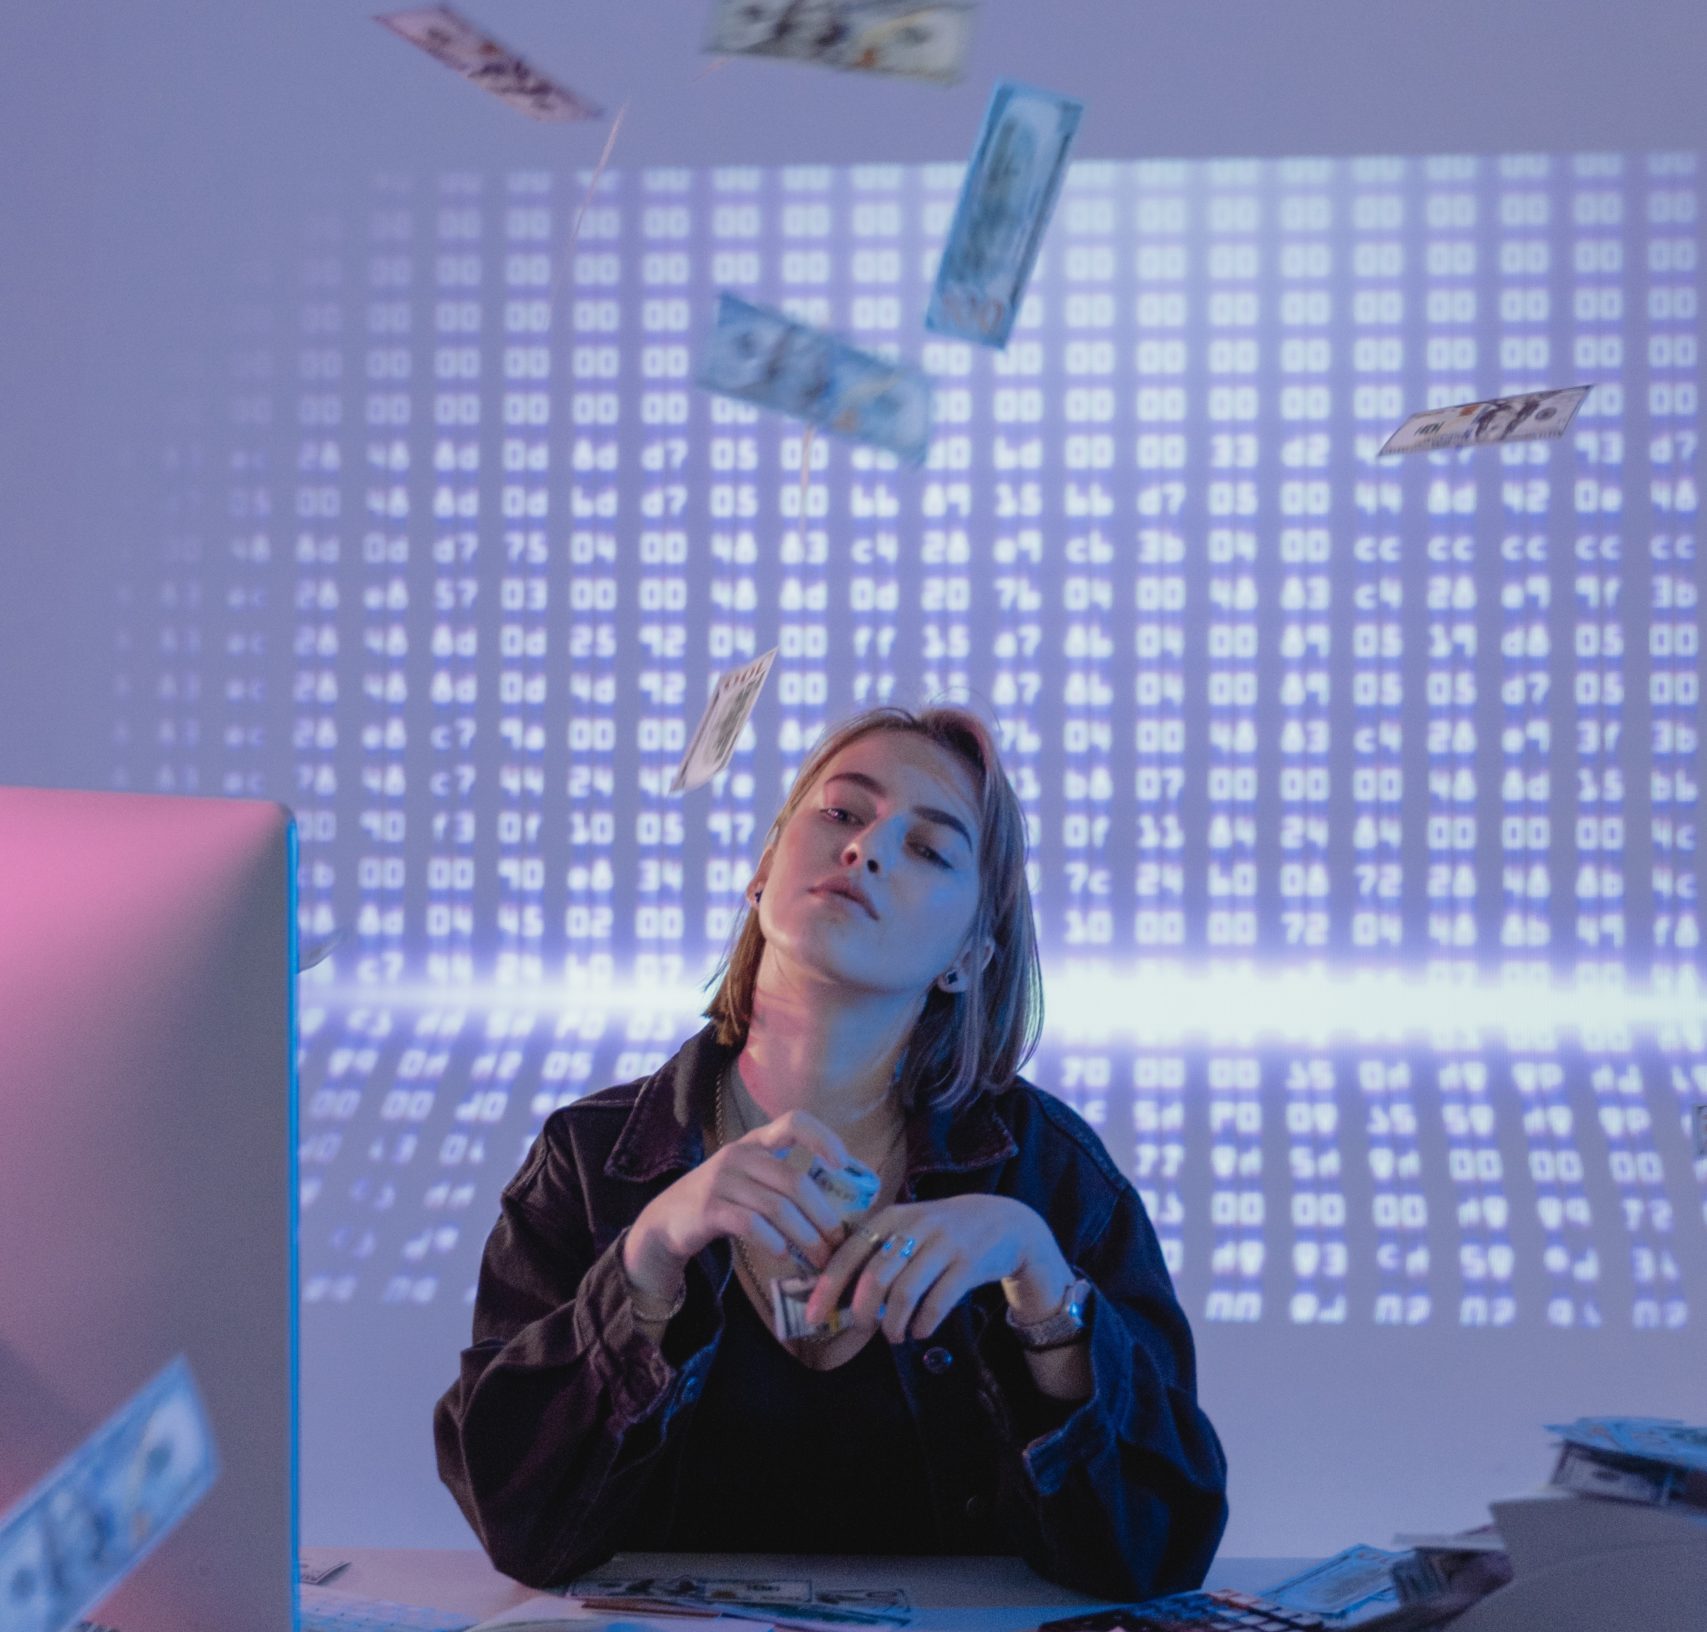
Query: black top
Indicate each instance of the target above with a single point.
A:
(781, 1457)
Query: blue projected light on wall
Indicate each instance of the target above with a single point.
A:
(1365, 793)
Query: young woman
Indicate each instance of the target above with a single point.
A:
(1013, 1373)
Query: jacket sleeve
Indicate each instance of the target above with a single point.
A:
(1123, 1495)
(550, 1436)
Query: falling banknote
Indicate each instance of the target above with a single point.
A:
(903, 37)
(765, 358)
(714, 738)
(1004, 208)
(460, 44)
(94, 1518)
(1532, 416)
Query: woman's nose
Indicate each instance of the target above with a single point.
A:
(863, 847)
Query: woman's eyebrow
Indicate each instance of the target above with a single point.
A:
(930, 813)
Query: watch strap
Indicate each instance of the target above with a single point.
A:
(1054, 1331)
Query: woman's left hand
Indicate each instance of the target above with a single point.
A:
(932, 1254)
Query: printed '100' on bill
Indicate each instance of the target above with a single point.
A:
(904, 37)
(1005, 204)
(764, 357)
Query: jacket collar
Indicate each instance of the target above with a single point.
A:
(664, 1132)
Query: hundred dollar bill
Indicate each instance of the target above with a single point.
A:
(1351, 1587)
(473, 53)
(852, 1188)
(785, 1602)
(1534, 416)
(80, 1532)
(788, 1312)
(714, 738)
(905, 37)
(1624, 1479)
(1653, 1439)
(1005, 205)
(766, 358)
(1450, 1572)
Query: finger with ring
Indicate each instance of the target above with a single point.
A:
(872, 1289)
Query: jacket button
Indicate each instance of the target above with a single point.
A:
(938, 1360)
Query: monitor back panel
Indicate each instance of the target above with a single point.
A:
(147, 1165)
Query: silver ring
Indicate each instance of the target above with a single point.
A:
(871, 1238)
(909, 1247)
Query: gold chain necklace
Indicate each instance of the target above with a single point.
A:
(722, 1140)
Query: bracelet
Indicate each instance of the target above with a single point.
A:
(642, 1313)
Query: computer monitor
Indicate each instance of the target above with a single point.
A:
(148, 1167)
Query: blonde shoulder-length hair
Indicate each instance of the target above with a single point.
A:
(964, 1042)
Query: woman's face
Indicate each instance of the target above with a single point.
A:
(893, 819)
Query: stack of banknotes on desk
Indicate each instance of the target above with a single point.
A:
(1654, 1470)
(1654, 1461)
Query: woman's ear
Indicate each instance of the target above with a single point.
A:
(760, 873)
(954, 977)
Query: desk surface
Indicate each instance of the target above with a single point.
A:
(949, 1594)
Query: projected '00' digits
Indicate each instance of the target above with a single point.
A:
(451, 565)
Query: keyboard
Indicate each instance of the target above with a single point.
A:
(1219, 1611)
(324, 1611)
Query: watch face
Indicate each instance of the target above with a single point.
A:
(1058, 1328)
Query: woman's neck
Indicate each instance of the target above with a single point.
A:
(835, 1060)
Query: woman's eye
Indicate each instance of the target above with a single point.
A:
(932, 855)
(836, 813)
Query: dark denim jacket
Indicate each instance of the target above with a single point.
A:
(551, 1438)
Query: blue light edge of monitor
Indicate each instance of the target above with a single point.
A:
(293, 1187)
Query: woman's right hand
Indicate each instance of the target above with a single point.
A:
(744, 1189)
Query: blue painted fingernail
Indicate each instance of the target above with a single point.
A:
(882, 1310)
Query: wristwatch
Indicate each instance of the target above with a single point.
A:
(1056, 1331)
